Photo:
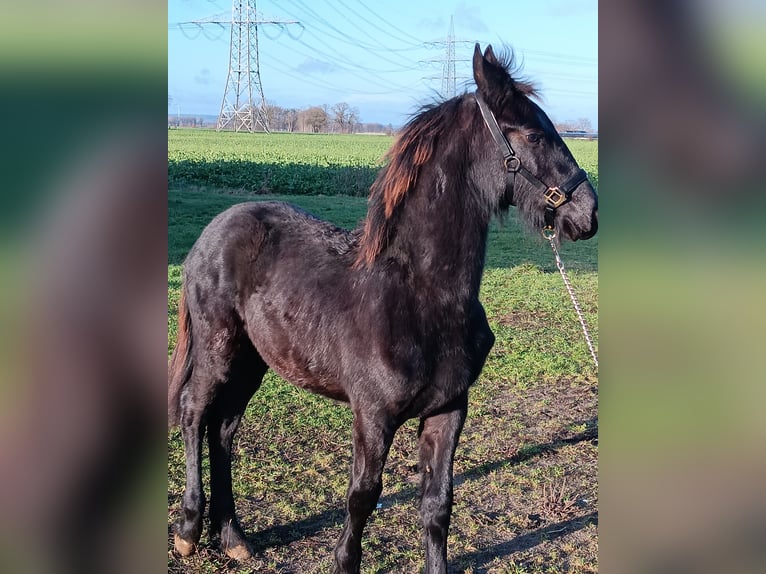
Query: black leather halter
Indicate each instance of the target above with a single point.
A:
(555, 196)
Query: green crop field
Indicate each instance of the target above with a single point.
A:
(299, 164)
(294, 164)
(526, 467)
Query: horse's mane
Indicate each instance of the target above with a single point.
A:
(414, 147)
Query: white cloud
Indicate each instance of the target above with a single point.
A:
(312, 66)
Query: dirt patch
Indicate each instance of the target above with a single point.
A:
(523, 319)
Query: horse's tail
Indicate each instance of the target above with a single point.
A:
(180, 366)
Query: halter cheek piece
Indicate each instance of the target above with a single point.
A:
(556, 196)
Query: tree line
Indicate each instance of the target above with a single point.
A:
(337, 118)
(578, 125)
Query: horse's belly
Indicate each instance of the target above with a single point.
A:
(304, 374)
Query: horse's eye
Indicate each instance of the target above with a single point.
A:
(533, 138)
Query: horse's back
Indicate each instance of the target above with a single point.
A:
(248, 236)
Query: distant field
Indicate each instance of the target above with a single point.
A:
(295, 164)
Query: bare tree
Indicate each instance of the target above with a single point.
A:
(339, 115)
(584, 124)
(291, 119)
(345, 117)
(313, 119)
(273, 113)
(353, 120)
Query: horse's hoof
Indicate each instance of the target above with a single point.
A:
(239, 552)
(183, 547)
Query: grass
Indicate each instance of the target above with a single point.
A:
(298, 164)
(294, 164)
(526, 466)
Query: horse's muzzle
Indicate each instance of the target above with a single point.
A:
(593, 226)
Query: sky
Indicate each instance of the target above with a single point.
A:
(385, 58)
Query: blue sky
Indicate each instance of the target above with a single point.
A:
(382, 57)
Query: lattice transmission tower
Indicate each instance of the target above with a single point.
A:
(449, 82)
(243, 106)
(448, 77)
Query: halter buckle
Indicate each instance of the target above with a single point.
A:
(512, 163)
(555, 197)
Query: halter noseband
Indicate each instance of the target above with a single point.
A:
(555, 196)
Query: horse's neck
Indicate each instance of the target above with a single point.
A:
(442, 237)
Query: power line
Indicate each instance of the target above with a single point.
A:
(418, 43)
(343, 63)
(341, 36)
(318, 82)
(363, 5)
(341, 60)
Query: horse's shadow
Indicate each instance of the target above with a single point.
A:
(479, 559)
(285, 534)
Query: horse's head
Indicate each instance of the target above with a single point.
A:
(539, 174)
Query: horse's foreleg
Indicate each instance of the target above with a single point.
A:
(372, 437)
(223, 420)
(437, 440)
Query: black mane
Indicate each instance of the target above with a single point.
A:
(414, 147)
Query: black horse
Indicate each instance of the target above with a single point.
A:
(385, 318)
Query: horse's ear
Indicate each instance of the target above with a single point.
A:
(478, 69)
(489, 55)
(485, 69)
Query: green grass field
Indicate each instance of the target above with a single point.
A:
(526, 466)
(294, 164)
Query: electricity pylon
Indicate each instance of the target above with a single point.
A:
(448, 77)
(243, 106)
(449, 87)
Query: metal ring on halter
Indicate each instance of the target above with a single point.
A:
(510, 165)
(549, 233)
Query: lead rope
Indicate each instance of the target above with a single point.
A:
(550, 235)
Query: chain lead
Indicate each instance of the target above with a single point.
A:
(550, 236)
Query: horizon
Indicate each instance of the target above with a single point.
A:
(212, 118)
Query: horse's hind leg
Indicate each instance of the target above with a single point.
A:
(188, 528)
(437, 439)
(224, 417)
(216, 356)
